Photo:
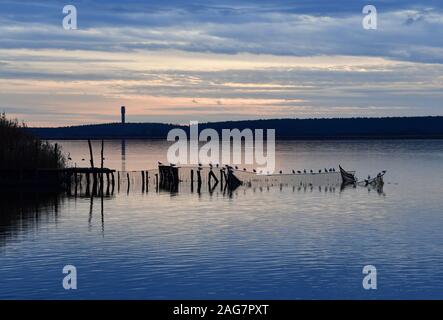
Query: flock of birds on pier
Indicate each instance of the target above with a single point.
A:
(228, 167)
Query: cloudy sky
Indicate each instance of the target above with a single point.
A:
(207, 60)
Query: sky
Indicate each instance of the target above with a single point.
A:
(176, 60)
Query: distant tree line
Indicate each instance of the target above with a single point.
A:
(345, 128)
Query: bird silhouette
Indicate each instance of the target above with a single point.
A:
(312, 171)
(333, 169)
(236, 168)
(254, 170)
(244, 169)
(304, 171)
(319, 171)
(293, 171)
(281, 172)
(326, 170)
(216, 165)
(199, 164)
(298, 171)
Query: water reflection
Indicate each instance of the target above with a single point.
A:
(23, 211)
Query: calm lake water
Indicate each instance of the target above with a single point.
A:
(261, 243)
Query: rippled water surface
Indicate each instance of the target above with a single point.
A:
(276, 242)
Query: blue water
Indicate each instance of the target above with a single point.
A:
(273, 243)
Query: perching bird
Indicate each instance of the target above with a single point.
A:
(304, 171)
(293, 171)
(333, 169)
(281, 172)
(312, 171)
(199, 164)
(236, 168)
(326, 170)
(83, 159)
(255, 171)
(319, 171)
(244, 169)
(298, 171)
(216, 165)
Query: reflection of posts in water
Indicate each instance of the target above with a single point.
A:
(102, 217)
(24, 209)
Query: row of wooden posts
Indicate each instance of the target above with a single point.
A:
(166, 179)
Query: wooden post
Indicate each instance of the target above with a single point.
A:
(143, 181)
(91, 154)
(147, 180)
(199, 177)
(212, 175)
(113, 182)
(102, 157)
(101, 166)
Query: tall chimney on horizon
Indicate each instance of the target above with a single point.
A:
(123, 112)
